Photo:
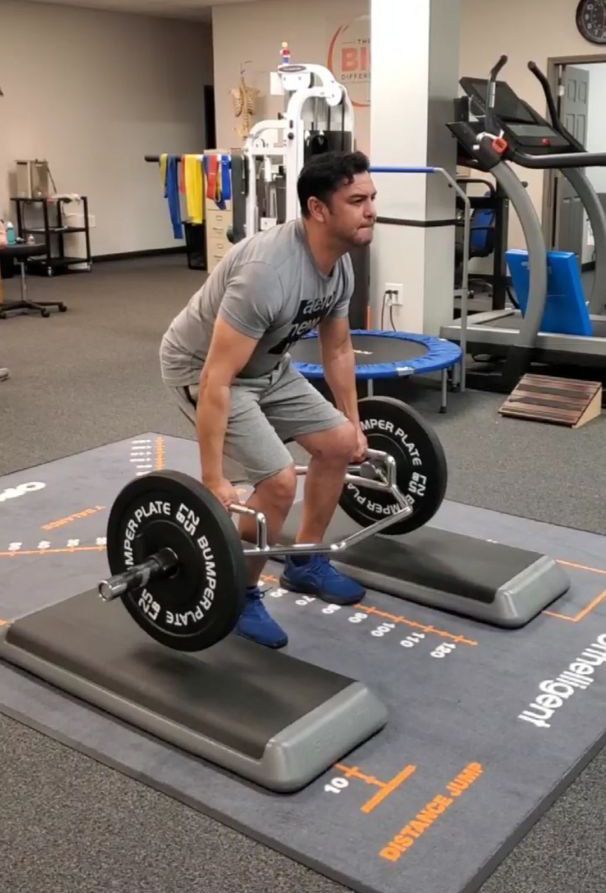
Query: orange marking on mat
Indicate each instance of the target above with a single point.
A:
(356, 772)
(160, 453)
(388, 789)
(582, 613)
(397, 618)
(52, 551)
(4, 622)
(69, 519)
(583, 567)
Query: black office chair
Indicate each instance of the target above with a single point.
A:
(20, 253)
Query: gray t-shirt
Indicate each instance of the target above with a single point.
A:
(267, 287)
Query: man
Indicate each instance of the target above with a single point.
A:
(225, 360)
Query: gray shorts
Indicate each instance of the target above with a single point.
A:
(264, 414)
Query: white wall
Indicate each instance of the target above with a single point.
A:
(255, 32)
(93, 92)
(420, 41)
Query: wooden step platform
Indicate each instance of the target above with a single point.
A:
(562, 401)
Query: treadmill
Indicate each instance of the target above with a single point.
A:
(494, 127)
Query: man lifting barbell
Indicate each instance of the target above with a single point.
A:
(178, 563)
(225, 361)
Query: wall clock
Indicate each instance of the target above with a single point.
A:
(591, 20)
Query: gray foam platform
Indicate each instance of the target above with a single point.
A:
(471, 576)
(486, 725)
(268, 717)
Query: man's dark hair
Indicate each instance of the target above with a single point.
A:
(323, 174)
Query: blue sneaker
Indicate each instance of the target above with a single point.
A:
(315, 575)
(256, 624)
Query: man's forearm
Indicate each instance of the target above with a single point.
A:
(340, 374)
(212, 414)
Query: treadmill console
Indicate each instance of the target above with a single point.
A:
(522, 126)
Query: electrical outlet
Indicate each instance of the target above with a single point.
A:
(394, 291)
(92, 220)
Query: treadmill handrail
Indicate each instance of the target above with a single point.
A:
(555, 118)
(556, 122)
(490, 123)
(566, 159)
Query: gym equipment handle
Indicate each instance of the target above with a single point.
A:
(564, 159)
(497, 67)
(378, 472)
(334, 548)
(382, 464)
(491, 97)
(160, 564)
(553, 112)
(384, 469)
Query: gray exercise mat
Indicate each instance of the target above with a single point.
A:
(486, 725)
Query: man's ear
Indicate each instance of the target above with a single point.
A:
(317, 209)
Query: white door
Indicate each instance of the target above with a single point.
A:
(569, 214)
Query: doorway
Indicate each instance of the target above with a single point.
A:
(578, 84)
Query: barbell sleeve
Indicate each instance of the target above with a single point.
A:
(160, 564)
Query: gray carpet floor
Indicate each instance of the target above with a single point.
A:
(90, 376)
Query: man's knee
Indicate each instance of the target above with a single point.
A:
(335, 444)
(280, 488)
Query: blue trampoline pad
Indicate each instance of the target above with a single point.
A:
(382, 354)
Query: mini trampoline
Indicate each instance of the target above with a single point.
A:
(383, 354)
